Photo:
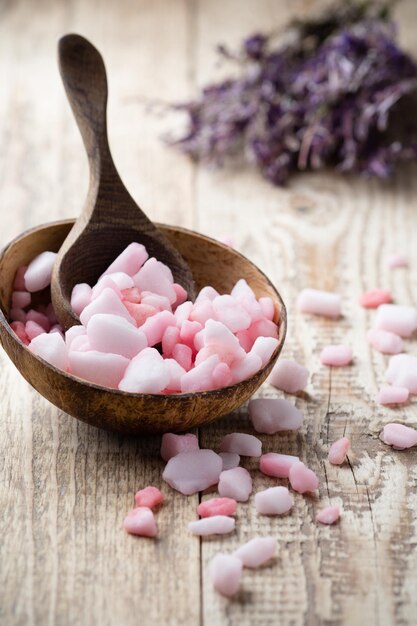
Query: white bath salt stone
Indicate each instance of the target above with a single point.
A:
(225, 574)
(402, 372)
(385, 341)
(200, 378)
(395, 318)
(242, 444)
(51, 348)
(129, 261)
(176, 372)
(39, 271)
(206, 293)
(336, 355)
(153, 276)
(190, 472)
(214, 525)
(246, 368)
(388, 394)
(395, 261)
(229, 312)
(277, 465)
(264, 347)
(274, 501)
(97, 367)
(80, 297)
(257, 551)
(146, 373)
(289, 376)
(229, 460)
(329, 515)
(235, 483)
(106, 302)
(319, 302)
(172, 444)
(271, 415)
(399, 436)
(112, 333)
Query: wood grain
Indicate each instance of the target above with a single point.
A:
(65, 486)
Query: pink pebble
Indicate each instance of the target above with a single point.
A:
(51, 348)
(112, 333)
(274, 501)
(229, 460)
(200, 378)
(149, 497)
(242, 444)
(19, 279)
(374, 298)
(33, 329)
(398, 319)
(190, 472)
(289, 376)
(80, 297)
(39, 318)
(139, 312)
(97, 367)
(271, 415)
(156, 277)
(385, 341)
(106, 302)
(319, 303)
(257, 551)
(402, 372)
(38, 273)
(265, 347)
(17, 315)
(336, 355)
(392, 395)
(277, 465)
(172, 444)
(19, 329)
(181, 294)
(217, 506)
(131, 294)
(329, 515)
(146, 373)
(225, 574)
(129, 261)
(399, 436)
(235, 483)
(21, 299)
(155, 326)
(302, 479)
(338, 451)
(140, 522)
(395, 261)
(215, 525)
(183, 355)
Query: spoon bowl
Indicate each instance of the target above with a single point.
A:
(211, 263)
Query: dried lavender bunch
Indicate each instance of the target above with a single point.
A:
(334, 91)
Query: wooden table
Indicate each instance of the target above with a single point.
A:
(65, 487)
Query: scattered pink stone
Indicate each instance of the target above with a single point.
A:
(146, 373)
(80, 297)
(374, 298)
(129, 261)
(319, 303)
(140, 522)
(235, 483)
(302, 479)
(392, 395)
(21, 299)
(19, 329)
(51, 348)
(271, 415)
(190, 472)
(215, 525)
(329, 515)
(242, 444)
(289, 376)
(38, 273)
(257, 551)
(395, 318)
(336, 355)
(172, 444)
(277, 465)
(149, 497)
(217, 506)
(19, 279)
(385, 341)
(97, 367)
(338, 451)
(274, 501)
(399, 436)
(229, 460)
(225, 574)
(395, 261)
(402, 372)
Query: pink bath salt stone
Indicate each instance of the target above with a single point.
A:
(263, 328)
(267, 307)
(336, 355)
(222, 376)
(253, 308)
(176, 372)
(202, 312)
(225, 574)
(217, 506)
(289, 376)
(33, 329)
(302, 479)
(39, 318)
(338, 451)
(395, 261)
(105, 283)
(242, 290)
(122, 280)
(402, 372)
(246, 367)
(51, 348)
(17, 315)
(271, 415)
(183, 312)
(149, 497)
(229, 312)
(264, 347)
(318, 302)
(395, 318)
(106, 302)
(129, 261)
(242, 444)
(57, 328)
(80, 343)
(97, 367)
(223, 342)
(235, 483)
(329, 515)
(80, 297)
(73, 332)
(274, 501)
(206, 293)
(200, 378)
(146, 373)
(140, 521)
(374, 298)
(188, 331)
(181, 294)
(156, 277)
(112, 333)
(229, 460)
(38, 273)
(214, 525)
(19, 279)
(139, 312)
(399, 436)
(385, 341)
(277, 465)
(155, 326)
(50, 313)
(21, 299)
(173, 444)
(183, 355)
(256, 551)
(19, 330)
(131, 294)
(160, 303)
(388, 394)
(193, 471)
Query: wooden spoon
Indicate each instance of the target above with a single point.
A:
(111, 219)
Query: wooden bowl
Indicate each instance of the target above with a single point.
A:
(212, 264)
